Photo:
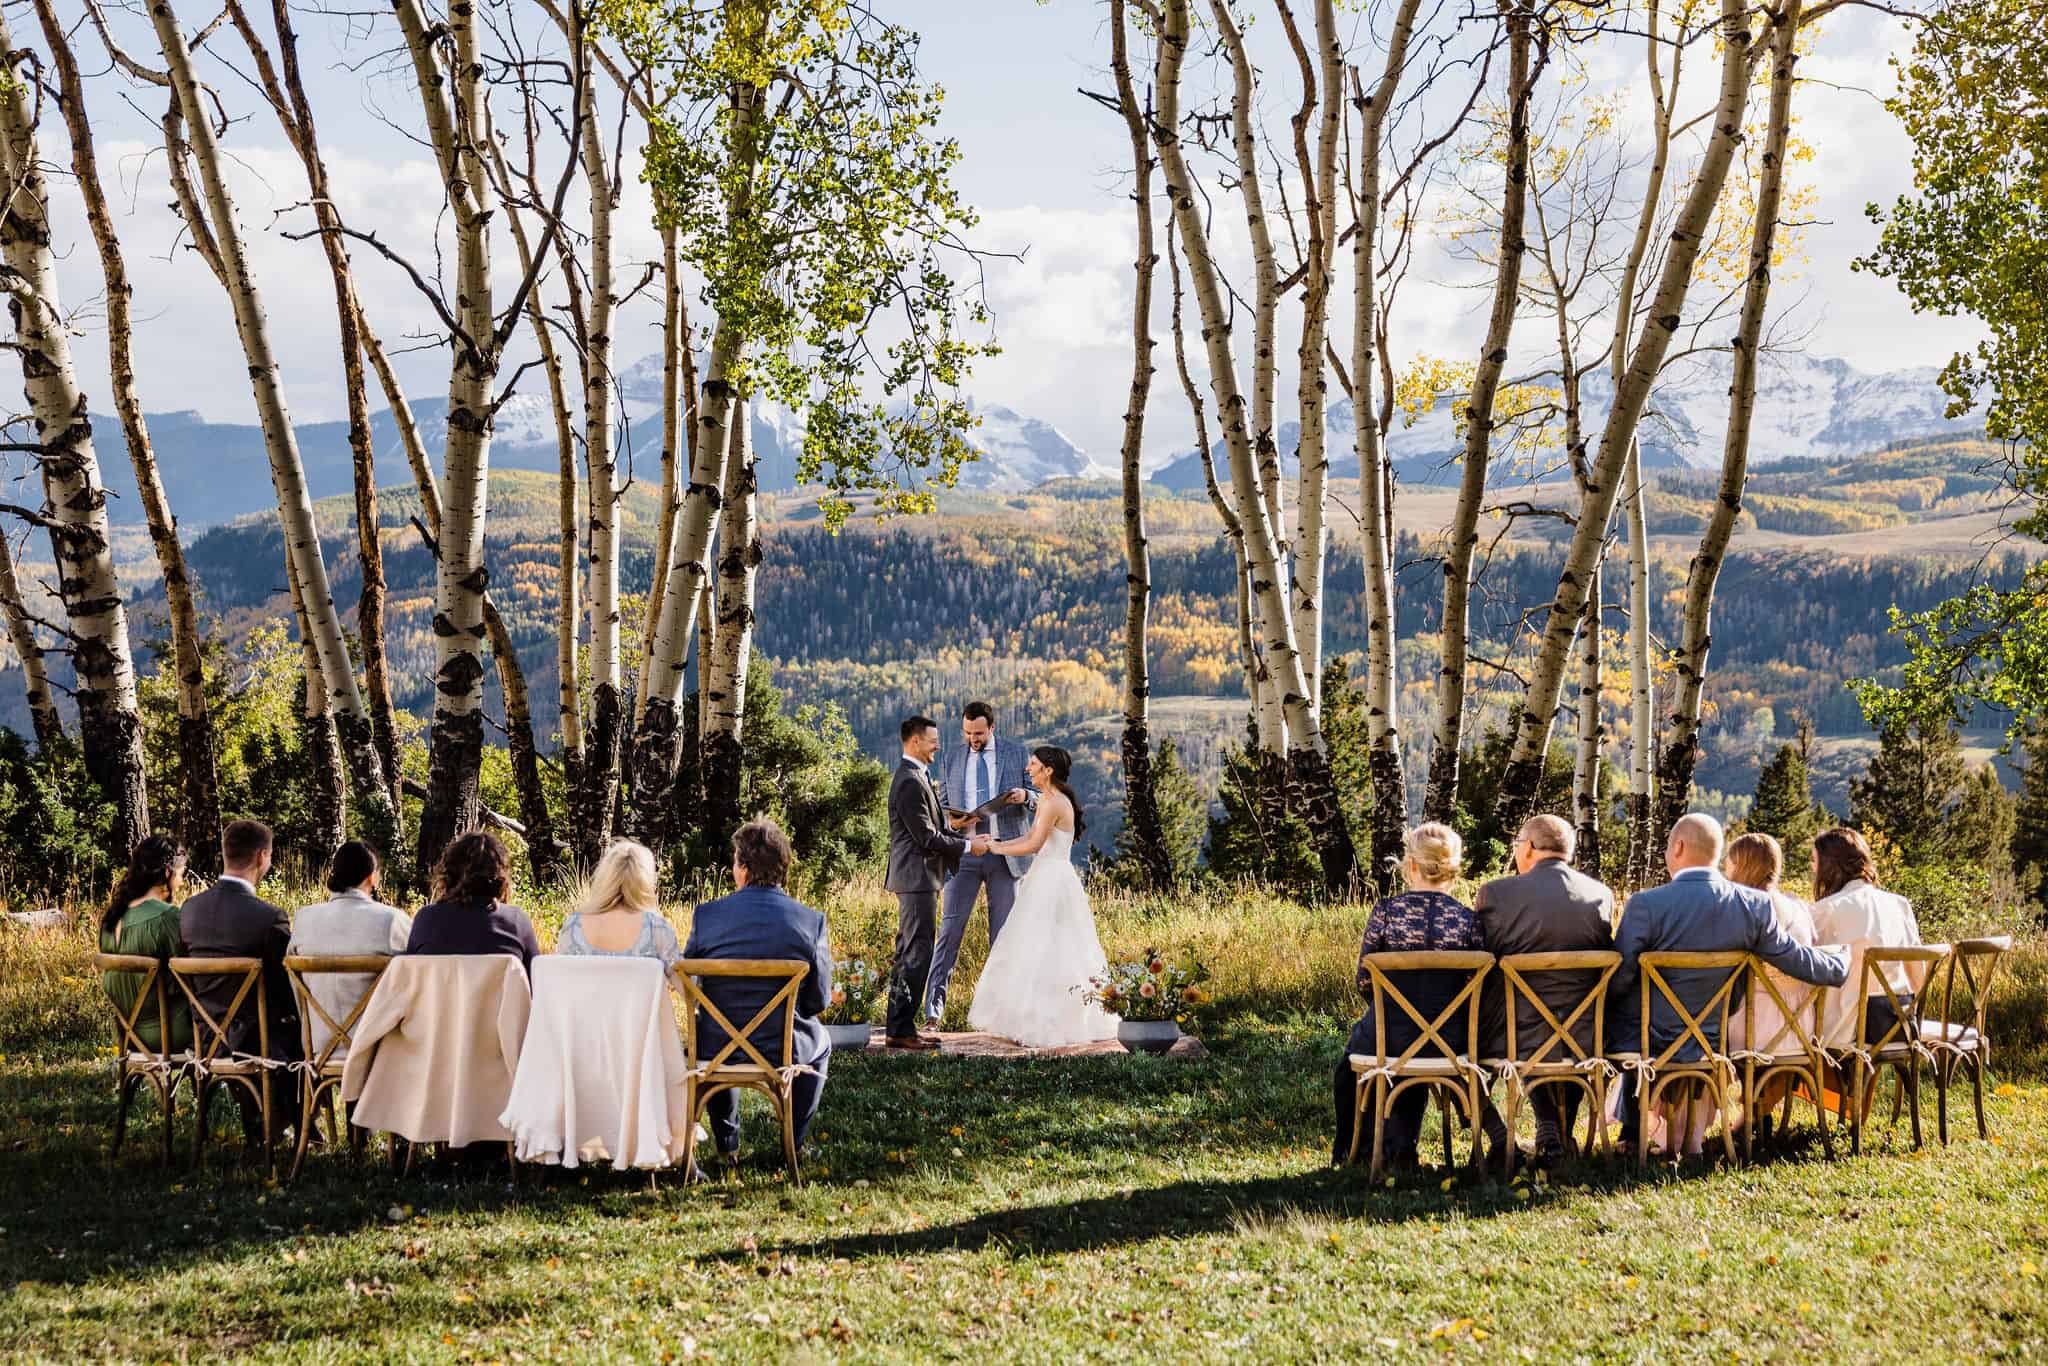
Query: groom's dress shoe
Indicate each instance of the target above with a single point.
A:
(913, 1043)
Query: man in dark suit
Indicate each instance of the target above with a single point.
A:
(922, 853)
(1546, 907)
(1698, 911)
(985, 767)
(761, 920)
(228, 920)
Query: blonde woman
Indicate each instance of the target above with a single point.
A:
(618, 916)
(1756, 860)
(1425, 917)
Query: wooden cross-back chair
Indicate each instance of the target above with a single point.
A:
(214, 1063)
(1795, 1049)
(706, 1077)
(1899, 1046)
(135, 1062)
(1454, 1078)
(1710, 1073)
(1554, 1057)
(320, 1074)
(1963, 1044)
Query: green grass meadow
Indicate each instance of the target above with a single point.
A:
(1108, 1208)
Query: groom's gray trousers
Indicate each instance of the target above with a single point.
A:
(962, 890)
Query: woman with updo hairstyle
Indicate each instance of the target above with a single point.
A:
(352, 923)
(618, 916)
(469, 913)
(141, 919)
(1425, 917)
(1850, 909)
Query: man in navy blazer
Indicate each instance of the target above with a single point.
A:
(1698, 911)
(760, 920)
(985, 766)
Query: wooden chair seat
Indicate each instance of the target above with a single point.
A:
(135, 1062)
(706, 1077)
(1554, 1057)
(1963, 1043)
(1446, 1071)
(213, 1061)
(320, 1075)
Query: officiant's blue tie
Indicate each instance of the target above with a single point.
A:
(977, 781)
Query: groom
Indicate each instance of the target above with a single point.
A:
(922, 851)
(983, 768)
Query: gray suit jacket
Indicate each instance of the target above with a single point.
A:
(1699, 911)
(229, 921)
(1012, 822)
(1552, 908)
(922, 852)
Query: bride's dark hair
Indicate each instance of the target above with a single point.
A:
(1061, 763)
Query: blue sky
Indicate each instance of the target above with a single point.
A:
(1042, 163)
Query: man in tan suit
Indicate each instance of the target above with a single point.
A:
(1546, 907)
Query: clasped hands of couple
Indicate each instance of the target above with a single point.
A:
(983, 843)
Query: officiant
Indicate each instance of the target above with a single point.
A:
(985, 775)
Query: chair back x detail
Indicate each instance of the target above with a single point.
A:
(1554, 1057)
(320, 1075)
(135, 1062)
(1449, 1071)
(708, 1076)
(1713, 1070)
(214, 1059)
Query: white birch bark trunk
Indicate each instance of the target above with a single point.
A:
(1375, 482)
(28, 652)
(1524, 771)
(725, 680)
(287, 471)
(109, 723)
(1440, 802)
(1682, 728)
(676, 445)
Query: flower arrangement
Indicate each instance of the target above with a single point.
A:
(856, 989)
(1154, 988)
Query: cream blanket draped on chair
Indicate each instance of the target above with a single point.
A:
(601, 1076)
(436, 1048)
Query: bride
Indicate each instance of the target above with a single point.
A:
(1031, 988)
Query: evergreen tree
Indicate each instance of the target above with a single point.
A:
(1913, 782)
(1979, 830)
(1784, 807)
(2030, 817)
(1349, 739)
(1183, 818)
(1259, 836)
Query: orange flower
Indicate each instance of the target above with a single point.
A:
(1193, 996)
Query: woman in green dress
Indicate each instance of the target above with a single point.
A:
(142, 919)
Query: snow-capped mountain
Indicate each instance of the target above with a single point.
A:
(1807, 407)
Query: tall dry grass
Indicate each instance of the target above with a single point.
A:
(1270, 960)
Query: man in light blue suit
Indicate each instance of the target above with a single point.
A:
(1698, 911)
(985, 766)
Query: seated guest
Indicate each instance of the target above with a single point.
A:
(1698, 911)
(469, 913)
(142, 919)
(1425, 917)
(1548, 906)
(351, 924)
(1850, 909)
(1758, 861)
(761, 920)
(228, 920)
(619, 916)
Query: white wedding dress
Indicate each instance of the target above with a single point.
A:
(1031, 988)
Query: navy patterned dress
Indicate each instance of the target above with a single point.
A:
(1414, 922)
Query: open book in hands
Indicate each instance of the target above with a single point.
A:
(965, 820)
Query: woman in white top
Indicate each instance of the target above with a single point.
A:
(1758, 861)
(353, 923)
(619, 916)
(1850, 908)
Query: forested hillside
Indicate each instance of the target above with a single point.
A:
(1019, 599)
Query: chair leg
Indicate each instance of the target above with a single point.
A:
(1820, 1113)
(169, 1092)
(787, 1111)
(1749, 1117)
(1379, 1133)
(1977, 1095)
(1473, 1099)
(205, 1103)
(1510, 1113)
(692, 1103)
(355, 1132)
(306, 1107)
(1719, 1090)
(1443, 1113)
(1856, 1107)
(1912, 1077)
(1944, 1073)
(126, 1093)
(263, 1103)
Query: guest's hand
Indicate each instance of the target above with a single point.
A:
(979, 844)
(1014, 797)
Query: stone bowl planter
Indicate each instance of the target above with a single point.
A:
(849, 1038)
(1148, 1036)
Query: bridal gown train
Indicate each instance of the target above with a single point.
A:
(1031, 988)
